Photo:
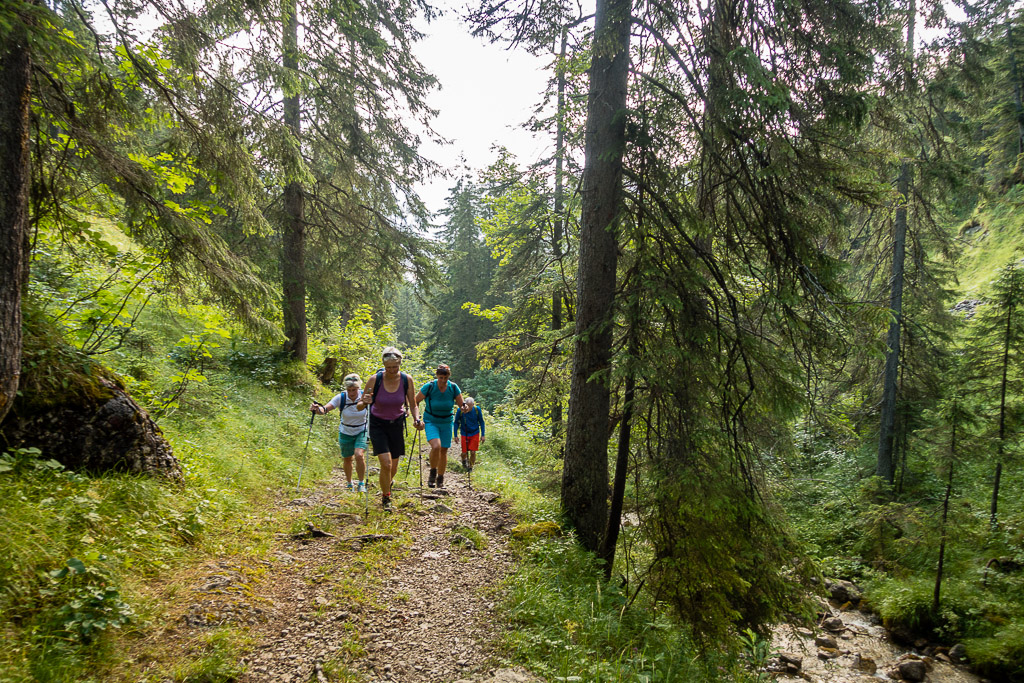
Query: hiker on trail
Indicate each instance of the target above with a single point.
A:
(440, 395)
(351, 430)
(471, 420)
(389, 394)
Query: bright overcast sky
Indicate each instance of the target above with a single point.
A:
(487, 93)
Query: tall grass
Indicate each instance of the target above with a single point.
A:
(565, 620)
(79, 553)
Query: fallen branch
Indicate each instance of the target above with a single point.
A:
(312, 532)
(367, 538)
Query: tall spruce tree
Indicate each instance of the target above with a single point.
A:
(467, 272)
(886, 464)
(997, 336)
(15, 80)
(585, 473)
(761, 122)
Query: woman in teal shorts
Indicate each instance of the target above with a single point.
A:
(352, 431)
(440, 395)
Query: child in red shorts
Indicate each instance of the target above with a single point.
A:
(471, 421)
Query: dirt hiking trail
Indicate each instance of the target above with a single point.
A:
(404, 595)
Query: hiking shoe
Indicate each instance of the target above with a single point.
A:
(465, 465)
(469, 469)
(440, 481)
(433, 477)
(385, 502)
(362, 487)
(348, 486)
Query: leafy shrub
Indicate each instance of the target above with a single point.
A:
(904, 603)
(966, 608)
(257, 364)
(91, 603)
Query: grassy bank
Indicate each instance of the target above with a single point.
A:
(565, 622)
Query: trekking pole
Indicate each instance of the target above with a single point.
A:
(366, 499)
(408, 465)
(298, 485)
(419, 452)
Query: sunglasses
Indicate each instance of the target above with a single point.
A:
(443, 374)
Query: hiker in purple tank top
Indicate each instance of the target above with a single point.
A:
(388, 403)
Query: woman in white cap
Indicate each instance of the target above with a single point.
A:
(352, 430)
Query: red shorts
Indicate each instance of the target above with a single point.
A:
(470, 443)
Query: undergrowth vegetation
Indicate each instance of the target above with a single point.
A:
(566, 622)
(891, 549)
(81, 555)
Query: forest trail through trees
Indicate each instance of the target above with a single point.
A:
(416, 604)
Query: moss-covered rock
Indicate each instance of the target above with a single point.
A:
(77, 412)
(531, 532)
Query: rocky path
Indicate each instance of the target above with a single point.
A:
(404, 595)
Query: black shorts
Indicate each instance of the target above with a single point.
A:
(388, 436)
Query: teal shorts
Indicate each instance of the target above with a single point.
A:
(349, 444)
(439, 431)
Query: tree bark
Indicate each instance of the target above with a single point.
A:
(611, 533)
(293, 257)
(585, 474)
(15, 72)
(556, 238)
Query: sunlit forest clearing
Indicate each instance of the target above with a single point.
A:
(744, 348)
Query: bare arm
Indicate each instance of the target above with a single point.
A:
(414, 401)
(367, 396)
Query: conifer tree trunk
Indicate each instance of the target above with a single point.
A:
(936, 594)
(1001, 444)
(885, 466)
(293, 256)
(15, 71)
(556, 238)
(611, 533)
(585, 474)
(721, 42)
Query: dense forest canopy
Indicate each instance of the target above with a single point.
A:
(774, 253)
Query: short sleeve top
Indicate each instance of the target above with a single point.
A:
(439, 403)
(353, 421)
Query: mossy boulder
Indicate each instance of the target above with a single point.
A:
(78, 413)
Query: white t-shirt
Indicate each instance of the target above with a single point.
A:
(353, 421)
